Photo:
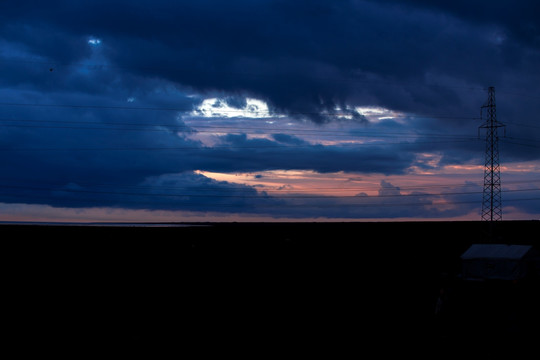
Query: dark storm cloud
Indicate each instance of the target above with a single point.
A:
(518, 18)
(252, 155)
(302, 57)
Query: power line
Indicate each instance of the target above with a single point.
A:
(269, 114)
(200, 127)
(268, 202)
(60, 185)
(192, 129)
(203, 148)
(243, 196)
(79, 106)
(522, 124)
(522, 144)
(213, 129)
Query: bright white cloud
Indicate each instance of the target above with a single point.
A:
(377, 113)
(214, 107)
(94, 41)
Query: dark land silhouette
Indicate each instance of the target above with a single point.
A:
(267, 284)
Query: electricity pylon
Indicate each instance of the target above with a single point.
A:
(491, 204)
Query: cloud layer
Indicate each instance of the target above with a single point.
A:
(99, 100)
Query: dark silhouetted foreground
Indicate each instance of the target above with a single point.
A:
(323, 286)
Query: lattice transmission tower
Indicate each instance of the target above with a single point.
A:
(491, 198)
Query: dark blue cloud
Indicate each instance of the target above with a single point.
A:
(301, 57)
(518, 18)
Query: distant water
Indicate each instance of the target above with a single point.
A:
(98, 224)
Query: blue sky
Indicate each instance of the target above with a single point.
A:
(264, 110)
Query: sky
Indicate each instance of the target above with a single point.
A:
(265, 110)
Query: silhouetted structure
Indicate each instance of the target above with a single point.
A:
(500, 262)
(491, 204)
